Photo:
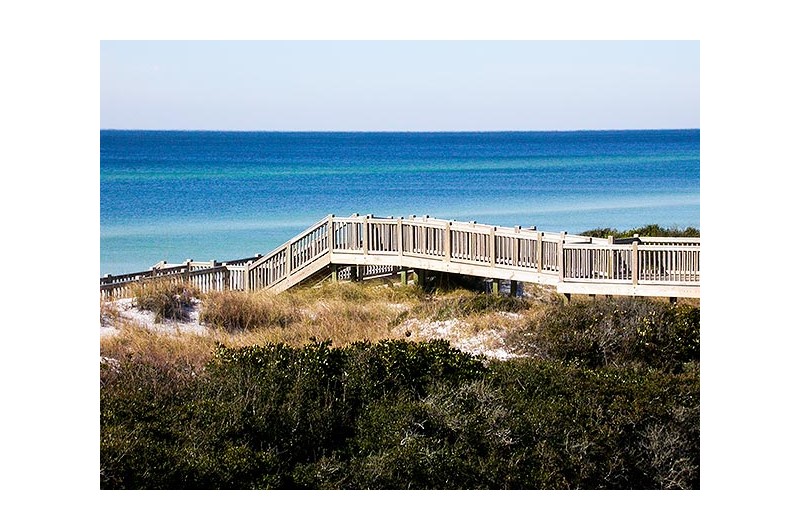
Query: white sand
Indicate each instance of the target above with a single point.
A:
(488, 342)
(147, 319)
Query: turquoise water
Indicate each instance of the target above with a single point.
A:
(175, 195)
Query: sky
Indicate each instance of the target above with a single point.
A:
(406, 85)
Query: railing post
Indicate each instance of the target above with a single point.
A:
(424, 237)
(365, 234)
(516, 245)
(288, 260)
(330, 234)
(400, 236)
(492, 249)
(447, 245)
(539, 248)
(635, 262)
(560, 258)
(473, 241)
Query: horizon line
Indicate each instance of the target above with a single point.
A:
(387, 131)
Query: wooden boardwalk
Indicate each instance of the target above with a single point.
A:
(370, 246)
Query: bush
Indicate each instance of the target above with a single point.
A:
(644, 231)
(613, 332)
(260, 416)
(611, 427)
(454, 438)
(394, 415)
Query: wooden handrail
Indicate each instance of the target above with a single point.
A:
(565, 260)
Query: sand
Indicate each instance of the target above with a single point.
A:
(127, 314)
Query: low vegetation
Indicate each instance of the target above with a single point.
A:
(644, 231)
(166, 298)
(462, 303)
(395, 415)
(239, 311)
(613, 332)
(307, 389)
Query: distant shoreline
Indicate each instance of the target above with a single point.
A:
(498, 131)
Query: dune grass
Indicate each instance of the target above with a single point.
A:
(344, 313)
(166, 298)
(341, 313)
(338, 312)
(134, 342)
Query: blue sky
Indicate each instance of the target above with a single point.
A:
(399, 85)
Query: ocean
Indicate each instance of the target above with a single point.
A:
(202, 195)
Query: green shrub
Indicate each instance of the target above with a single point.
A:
(617, 331)
(455, 438)
(644, 231)
(394, 415)
(611, 427)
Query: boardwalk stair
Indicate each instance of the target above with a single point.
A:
(367, 246)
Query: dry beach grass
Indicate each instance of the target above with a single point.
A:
(341, 313)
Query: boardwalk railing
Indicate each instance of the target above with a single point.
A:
(205, 276)
(643, 266)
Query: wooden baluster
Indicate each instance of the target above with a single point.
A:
(365, 234)
(492, 246)
(447, 242)
(539, 251)
(400, 237)
(330, 234)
